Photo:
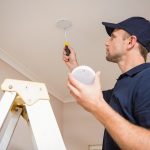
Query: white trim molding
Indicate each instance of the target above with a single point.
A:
(10, 60)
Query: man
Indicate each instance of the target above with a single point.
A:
(125, 110)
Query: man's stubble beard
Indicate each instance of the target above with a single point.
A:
(114, 59)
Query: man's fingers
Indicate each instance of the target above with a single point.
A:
(97, 78)
(65, 58)
(73, 90)
(98, 75)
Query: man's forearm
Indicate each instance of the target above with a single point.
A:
(127, 135)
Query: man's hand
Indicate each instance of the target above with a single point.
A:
(88, 96)
(125, 134)
(71, 60)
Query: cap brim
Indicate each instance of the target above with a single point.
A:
(110, 27)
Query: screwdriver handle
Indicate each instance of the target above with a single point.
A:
(67, 49)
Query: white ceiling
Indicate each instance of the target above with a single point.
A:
(31, 42)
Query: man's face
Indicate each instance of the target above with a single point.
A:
(116, 46)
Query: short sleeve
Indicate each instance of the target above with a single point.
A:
(141, 101)
(107, 95)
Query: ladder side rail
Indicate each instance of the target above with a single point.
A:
(10, 128)
(5, 105)
(46, 133)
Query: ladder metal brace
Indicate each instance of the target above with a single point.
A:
(32, 101)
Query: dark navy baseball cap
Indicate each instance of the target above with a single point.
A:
(138, 26)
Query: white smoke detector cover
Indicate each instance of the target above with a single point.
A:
(63, 24)
(84, 74)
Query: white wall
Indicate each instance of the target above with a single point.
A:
(8, 72)
(80, 128)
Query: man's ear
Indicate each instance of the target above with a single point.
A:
(132, 41)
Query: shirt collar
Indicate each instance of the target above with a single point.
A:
(134, 70)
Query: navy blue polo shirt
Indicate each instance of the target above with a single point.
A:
(131, 99)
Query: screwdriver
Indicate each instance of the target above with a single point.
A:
(66, 44)
(65, 25)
